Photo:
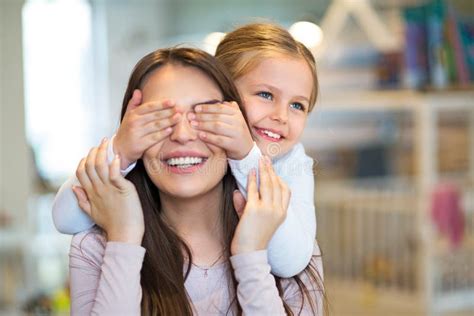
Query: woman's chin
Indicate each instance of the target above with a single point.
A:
(187, 190)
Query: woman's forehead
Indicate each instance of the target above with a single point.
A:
(185, 85)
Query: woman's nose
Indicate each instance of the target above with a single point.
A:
(183, 131)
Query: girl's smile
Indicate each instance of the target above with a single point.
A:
(276, 95)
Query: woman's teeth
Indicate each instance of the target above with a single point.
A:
(271, 134)
(184, 162)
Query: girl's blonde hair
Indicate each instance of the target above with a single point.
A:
(245, 47)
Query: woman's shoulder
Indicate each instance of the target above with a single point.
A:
(90, 243)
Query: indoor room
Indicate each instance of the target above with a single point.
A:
(389, 144)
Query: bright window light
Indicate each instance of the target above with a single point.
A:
(307, 33)
(58, 83)
(211, 42)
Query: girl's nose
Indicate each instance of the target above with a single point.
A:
(280, 113)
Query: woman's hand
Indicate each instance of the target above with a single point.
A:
(108, 198)
(264, 212)
(223, 125)
(143, 125)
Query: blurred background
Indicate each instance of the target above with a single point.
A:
(392, 135)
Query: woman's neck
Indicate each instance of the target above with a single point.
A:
(197, 219)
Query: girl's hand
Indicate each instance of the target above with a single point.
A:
(223, 125)
(143, 125)
(264, 212)
(108, 198)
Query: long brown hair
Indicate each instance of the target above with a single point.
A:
(162, 277)
(246, 46)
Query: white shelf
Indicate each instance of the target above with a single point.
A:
(395, 100)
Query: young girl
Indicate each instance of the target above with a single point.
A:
(276, 78)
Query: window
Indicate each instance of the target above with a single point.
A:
(58, 84)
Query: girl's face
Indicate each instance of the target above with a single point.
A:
(182, 165)
(276, 96)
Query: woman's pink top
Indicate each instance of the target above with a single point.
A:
(105, 280)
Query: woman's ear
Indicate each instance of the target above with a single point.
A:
(239, 202)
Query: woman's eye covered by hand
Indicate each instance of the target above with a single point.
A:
(222, 124)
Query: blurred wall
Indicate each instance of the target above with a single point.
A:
(14, 156)
(126, 30)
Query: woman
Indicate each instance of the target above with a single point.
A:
(169, 230)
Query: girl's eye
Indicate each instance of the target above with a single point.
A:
(297, 105)
(265, 95)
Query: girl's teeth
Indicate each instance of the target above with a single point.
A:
(271, 134)
(184, 162)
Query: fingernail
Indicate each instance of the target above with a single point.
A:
(191, 116)
(202, 135)
(103, 140)
(168, 130)
(198, 108)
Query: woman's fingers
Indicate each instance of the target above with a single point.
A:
(252, 191)
(82, 176)
(286, 193)
(266, 189)
(101, 164)
(90, 167)
(116, 177)
(82, 199)
(276, 188)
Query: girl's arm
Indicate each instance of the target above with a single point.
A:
(264, 211)
(68, 217)
(291, 247)
(104, 276)
(133, 138)
(257, 292)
